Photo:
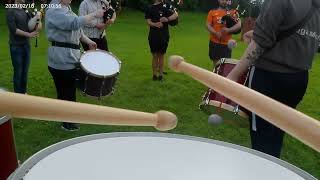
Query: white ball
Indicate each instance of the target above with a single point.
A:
(215, 119)
(232, 43)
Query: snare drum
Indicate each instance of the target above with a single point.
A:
(156, 156)
(8, 156)
(223, 104)
(98, 73)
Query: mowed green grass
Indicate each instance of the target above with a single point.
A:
(135, 90)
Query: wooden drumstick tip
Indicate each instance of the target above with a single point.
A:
(174, 62)
(166, 121)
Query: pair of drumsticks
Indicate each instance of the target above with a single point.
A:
(295, 123)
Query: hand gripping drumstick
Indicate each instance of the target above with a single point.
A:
(31, 107)
(295, 123)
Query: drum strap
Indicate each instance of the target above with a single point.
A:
(65, 45)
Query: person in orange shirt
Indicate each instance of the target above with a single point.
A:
(220, 34)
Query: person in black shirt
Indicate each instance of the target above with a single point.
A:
(158, 18)
(17, 21)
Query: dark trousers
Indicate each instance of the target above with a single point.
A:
(102, 44)
(20, 56)
(64, 81)
(288, 88)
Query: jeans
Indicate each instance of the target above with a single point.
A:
(20, 56)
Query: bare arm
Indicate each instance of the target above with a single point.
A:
(26, 34)
(174, 16)
(85, 39)
(210, 29)
(152, 24)
(252, 53)
(236, 27)
(114, 16)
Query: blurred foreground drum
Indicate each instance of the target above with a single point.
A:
(153, 156)
(8, 156)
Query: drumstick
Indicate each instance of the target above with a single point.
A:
(295, 123)
(32, 107)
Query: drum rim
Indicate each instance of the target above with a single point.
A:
(34, 159)
(227, 107)
(4, 119)
(96, 75)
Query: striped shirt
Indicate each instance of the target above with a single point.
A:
(87, 7)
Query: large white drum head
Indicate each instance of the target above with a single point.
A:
(100, 63)
(153, 156)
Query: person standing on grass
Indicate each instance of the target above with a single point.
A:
(19, 35)
(219, 33)
(157, 17)
(282, 47)
(63, 29)
(96, 30)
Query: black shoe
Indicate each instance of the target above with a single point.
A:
(160, 78)
(70, 126)
(154, 77)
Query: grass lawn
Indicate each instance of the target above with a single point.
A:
(135, 90)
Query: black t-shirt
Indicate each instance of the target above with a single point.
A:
(155, 12)
(17, 19)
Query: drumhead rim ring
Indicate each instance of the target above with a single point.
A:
(227, 107)
(34, 159)
(96, 75)
(4, 118)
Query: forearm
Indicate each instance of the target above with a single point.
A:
(150, 23)
(85, 39)
(19, 32)
(173, 17)
(114, 16)
(236, 27)
(252, 53)
(210, 29)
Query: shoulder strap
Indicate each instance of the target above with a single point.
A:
(286, 33)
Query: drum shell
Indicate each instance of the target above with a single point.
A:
(8, 156)
(213, 98)
(223, 68)
(93, 85)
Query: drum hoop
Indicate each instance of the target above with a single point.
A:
(33, 160)
(228, 107)
(96, 75)
(4, 119)
(227, 60)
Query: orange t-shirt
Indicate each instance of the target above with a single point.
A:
(214, 19)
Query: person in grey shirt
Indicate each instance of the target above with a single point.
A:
(96, 31)
(63, 30)
(17, 21)
(280, 61)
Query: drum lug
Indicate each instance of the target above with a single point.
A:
(236, 110)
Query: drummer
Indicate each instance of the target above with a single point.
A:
(63, 29)
(19, 35)
(96, 31)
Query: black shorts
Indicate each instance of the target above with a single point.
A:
(218, 51)
(158, 44)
